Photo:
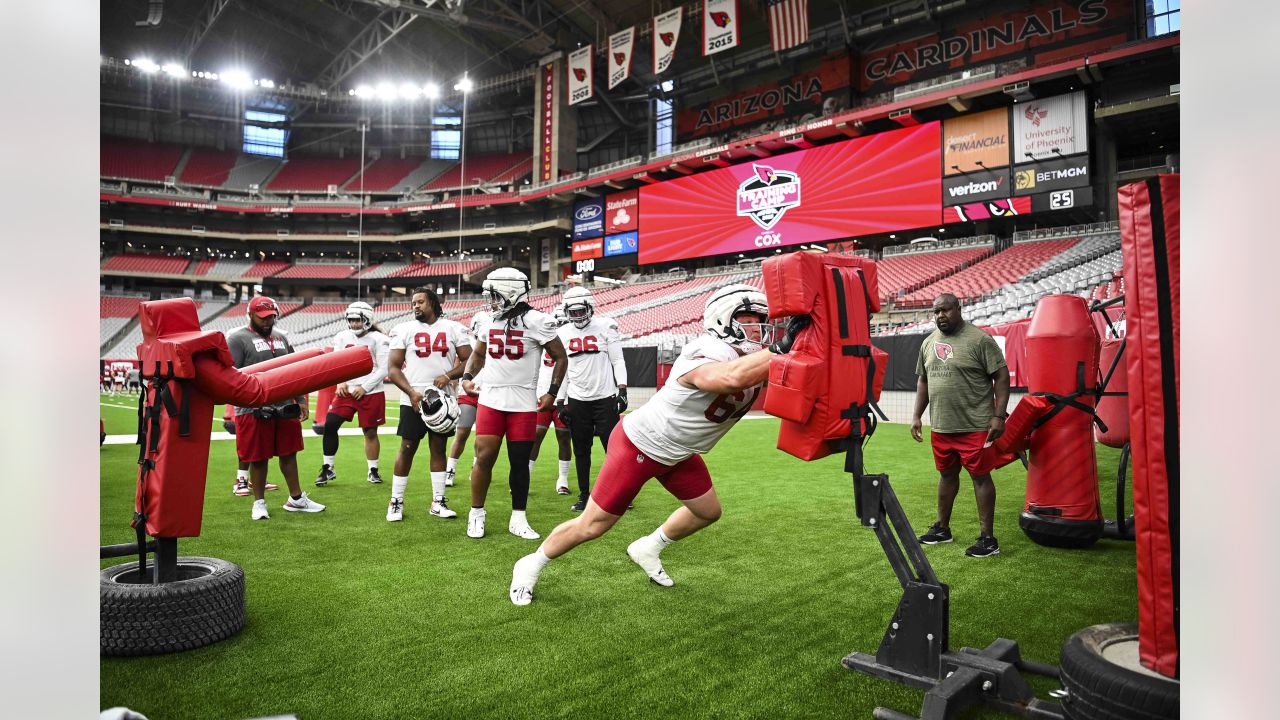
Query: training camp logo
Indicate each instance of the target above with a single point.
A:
(943, 351)
(1035, 114)
(767, 195)
(1024, 179)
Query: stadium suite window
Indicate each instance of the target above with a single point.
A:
(259, 140)
(446, 144)
(663, 135)
(1163, 17)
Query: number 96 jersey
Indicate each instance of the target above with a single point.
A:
(679, 421)
(513, 354)
(429, 350)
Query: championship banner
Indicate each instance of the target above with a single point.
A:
(1047, 32)
(545, 155)
(580, 78)
(621, 212)
(804, 91)
(621, 45)
(666, 31)
(971, 142)
(1051, 127)
(719, 26)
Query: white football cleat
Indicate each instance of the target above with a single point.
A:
(523, 577)
(440, 508)
(522, 531)
(303, 504)
(562, 487)
(475, 523)
(259, 511)
(395, 510)
(644, 552)
(448, 477)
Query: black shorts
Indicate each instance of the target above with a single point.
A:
(411, 426)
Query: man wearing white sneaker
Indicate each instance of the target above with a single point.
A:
(271, 431)
(510, 351)
(712, 385)
(426, 352)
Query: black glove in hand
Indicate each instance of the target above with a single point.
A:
(563, 410)
(622, 400)
(229, 426)
(794, 325)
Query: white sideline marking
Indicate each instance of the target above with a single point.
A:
(132, 439)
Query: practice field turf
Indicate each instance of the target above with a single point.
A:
(350, 616)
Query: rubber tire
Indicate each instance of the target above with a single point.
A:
(204, 606)
(1098, 689)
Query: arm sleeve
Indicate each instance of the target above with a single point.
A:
(614, 342)
(381, 355)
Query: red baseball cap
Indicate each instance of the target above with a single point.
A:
(263, 306)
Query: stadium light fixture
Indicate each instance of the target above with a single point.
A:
(464, 85)
(236, 79)
(431, 90)
(269, 84)
(146, 65)
(173, 70)
(409, 91)
(363, 91)
(386, 91)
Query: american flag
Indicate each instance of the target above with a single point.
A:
(788, 23)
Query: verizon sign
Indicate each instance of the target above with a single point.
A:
(975, 186)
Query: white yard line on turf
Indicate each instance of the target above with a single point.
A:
(133, 438)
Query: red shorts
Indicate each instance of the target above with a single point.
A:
(515, 426)
(258, 440)
(965, 448)
(549, 418)
(626, 470)
(371, 406)
(465, 399)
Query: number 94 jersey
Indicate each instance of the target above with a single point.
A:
(679, 421)
(513, 354)
(430, 350)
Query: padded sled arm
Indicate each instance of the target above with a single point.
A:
(227, 384)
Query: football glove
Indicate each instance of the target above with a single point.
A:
(229, 426)
(622, 400)
(563, 409)
(794, 325)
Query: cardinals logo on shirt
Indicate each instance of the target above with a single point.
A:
(943, 351)
(768, 195)
(721, 19)
(667, 38)
(580, 73)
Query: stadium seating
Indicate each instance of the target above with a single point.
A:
(251, 170)
(137, 160)
(989, 274)
(483, 169)
(222, 268)
(385, 174)
(265, 268)
(138, 263)
(440, 269)
(903, 273)
(118, 307)
(319, 271)
(314, 173)
(206, 166)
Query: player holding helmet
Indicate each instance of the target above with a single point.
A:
(431, 349)
(510, 351)
(364, 394)
(712, 385)
(595, 391)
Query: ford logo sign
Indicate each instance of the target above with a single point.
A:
(587, 212)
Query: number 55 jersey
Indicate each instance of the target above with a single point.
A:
(513, 354)
(430, 350)
(679, 421)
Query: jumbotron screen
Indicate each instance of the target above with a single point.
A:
(880, 183)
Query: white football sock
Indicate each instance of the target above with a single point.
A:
(328, 460)
(531, 464)
(540, 558)
(373, 464)
(437, 485)
(398, 483)
(564, 469)
(518, 518)
(661, 537)
(242, 475)
(453, 463)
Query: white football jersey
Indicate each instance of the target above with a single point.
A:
(479, 322)
(679, 421)
(545, 371)
(430, 350)
(379, 346)
(596, 367)
(513, 355)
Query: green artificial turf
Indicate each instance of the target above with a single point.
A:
(350, 616)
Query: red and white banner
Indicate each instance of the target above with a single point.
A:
(545, 160)
(719, 26)
(622, 212)
(580, 80)
(666, 31)
(788, 23)
(621, 45)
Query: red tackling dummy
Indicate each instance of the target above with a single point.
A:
(832, 372)
(189, 371)
(1113, 410)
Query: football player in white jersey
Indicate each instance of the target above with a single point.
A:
(547, 420)
(595, 388)
(432, 350)
(510, 351)
(365, 395)
(466, 405)
(712, 384)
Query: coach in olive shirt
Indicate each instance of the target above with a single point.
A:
(964, 379)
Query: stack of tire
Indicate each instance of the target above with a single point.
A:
(1105, 681)
(204, 605)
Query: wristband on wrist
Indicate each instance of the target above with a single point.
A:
(468, 376)
(554, 389)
